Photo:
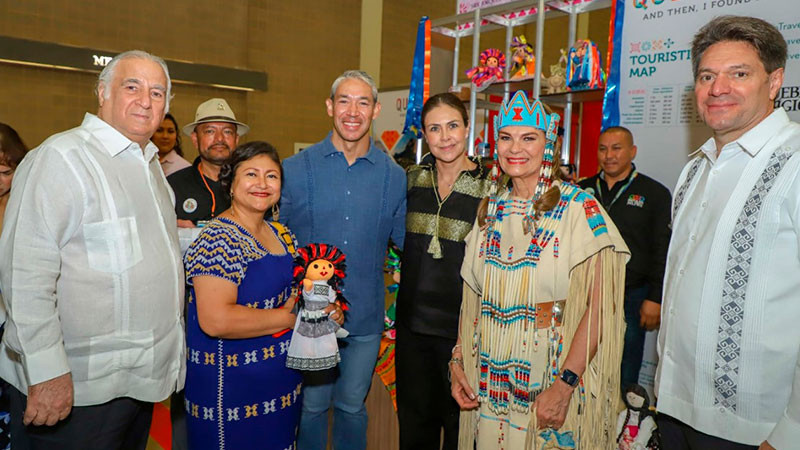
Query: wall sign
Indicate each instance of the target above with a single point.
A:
(65, 57)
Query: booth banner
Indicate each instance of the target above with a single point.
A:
(387, 128)
(654, 82)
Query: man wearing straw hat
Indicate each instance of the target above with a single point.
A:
(198, 194)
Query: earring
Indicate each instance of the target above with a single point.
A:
(231, 194)
(276, 212)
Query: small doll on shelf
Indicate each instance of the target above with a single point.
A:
(584, 66)
(636, 424)
(523, 59)
(318, 270)
(490, 68)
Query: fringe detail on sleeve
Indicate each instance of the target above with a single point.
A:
(596, 402)
(468, 329)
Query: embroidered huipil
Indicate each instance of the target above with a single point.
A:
(239, 392)
(729, 336)
(91, 269)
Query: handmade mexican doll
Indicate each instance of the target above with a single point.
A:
(319, 270)
(636, 426)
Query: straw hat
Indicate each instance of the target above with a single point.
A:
(215, 110)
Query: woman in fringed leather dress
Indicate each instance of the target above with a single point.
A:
(541, 327)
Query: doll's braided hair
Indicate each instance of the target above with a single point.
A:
(644, 411)
(313, 252)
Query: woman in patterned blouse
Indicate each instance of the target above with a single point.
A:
(239, 392)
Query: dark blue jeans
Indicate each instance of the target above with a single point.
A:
(634, 336)
(345, 387)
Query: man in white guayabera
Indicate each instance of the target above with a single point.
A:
(728, 375)
(91, 273)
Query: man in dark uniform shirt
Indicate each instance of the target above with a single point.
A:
(640, 208)
(215, 133)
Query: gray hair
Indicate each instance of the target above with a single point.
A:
(763, 36)
(105, 77)
(357, 75)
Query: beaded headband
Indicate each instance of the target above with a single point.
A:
(519, 112)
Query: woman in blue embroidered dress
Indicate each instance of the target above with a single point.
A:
(239, 392)
(543, 272)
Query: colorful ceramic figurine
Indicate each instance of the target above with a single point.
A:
(636, 425)
(583, 66)
(490, 68)
(319, 270)
(523, 61)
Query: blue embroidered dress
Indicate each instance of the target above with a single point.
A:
(239, 392)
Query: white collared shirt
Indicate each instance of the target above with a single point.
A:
(91, 272)
(736, 247)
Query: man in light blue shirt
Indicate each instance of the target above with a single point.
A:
(346, 192)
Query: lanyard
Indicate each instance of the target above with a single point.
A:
(213, 198)
(621, 190)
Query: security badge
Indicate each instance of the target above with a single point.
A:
(636, 200)
(190, 205)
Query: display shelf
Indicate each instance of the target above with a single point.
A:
(582, 96)
(558, 98)
(508, 15)
(511, 14)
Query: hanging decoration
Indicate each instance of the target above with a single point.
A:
(420, 88)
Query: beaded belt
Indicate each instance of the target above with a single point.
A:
(549, 310)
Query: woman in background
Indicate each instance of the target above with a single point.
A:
(12, 150)
(444, 190)
(168, 141)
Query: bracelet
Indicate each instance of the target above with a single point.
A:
(459, 361)
(457, 346)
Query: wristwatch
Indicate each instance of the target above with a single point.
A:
(569, 377)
